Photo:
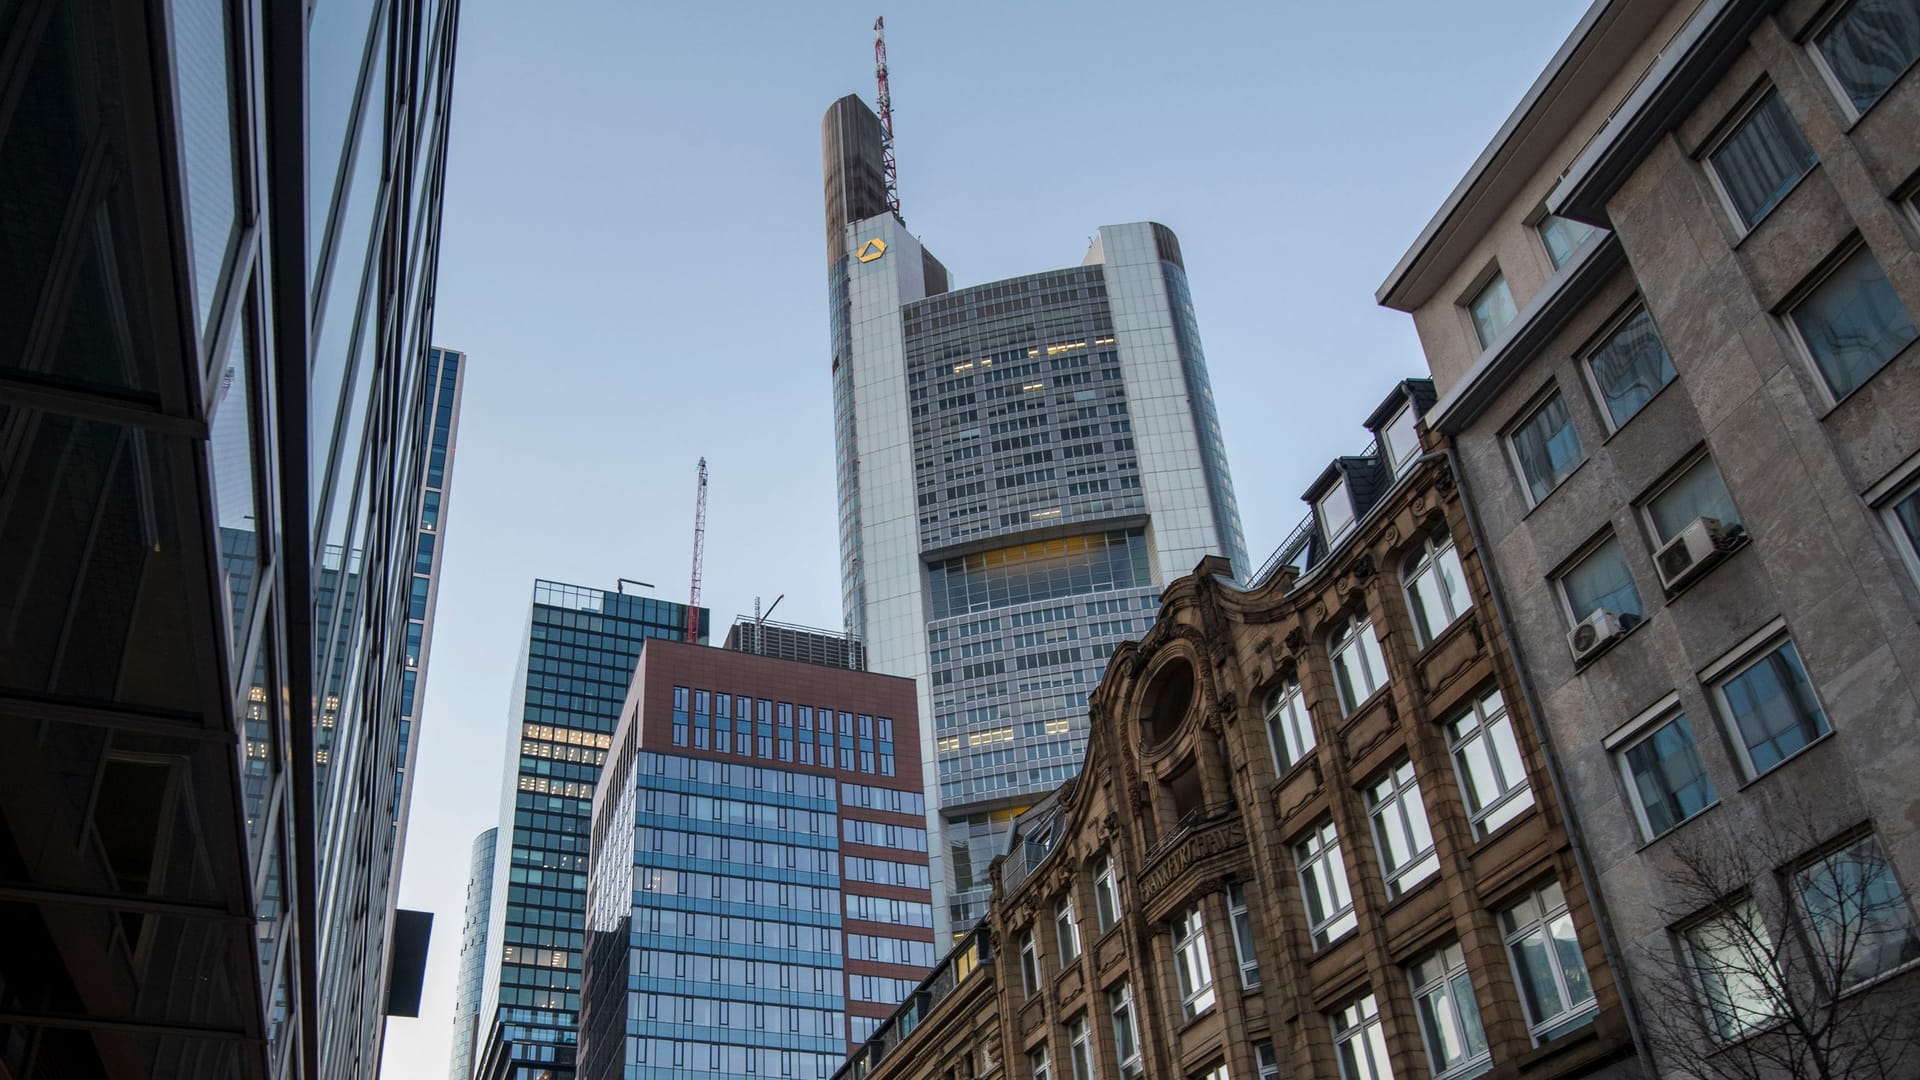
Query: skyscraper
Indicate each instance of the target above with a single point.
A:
(1022, 466)
(219, 230)
(578, 660)
(446, 377)
(473, 955)
(758, 895)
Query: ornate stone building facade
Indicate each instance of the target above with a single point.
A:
(1316, 835)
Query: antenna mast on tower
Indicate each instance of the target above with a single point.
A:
(884, 99)
(699, 552)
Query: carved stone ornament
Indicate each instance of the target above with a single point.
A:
(1296, 640)
(1362, 569)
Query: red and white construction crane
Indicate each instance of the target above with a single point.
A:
(699, 553)
(884, 101)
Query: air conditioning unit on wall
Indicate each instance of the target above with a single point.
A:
(1597, 631)
(1704, 542)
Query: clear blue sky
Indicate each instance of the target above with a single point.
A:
(633, 258)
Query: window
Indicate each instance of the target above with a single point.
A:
(1400, 831)
(1696, 493)
(1126, 1032)
(1492, 309)
(1038, 1067)
(1358, 667)
(1336, 512)
(1243, 950)
(1067, 930)
(1487, 757)
(1267, 1061)
(1903, 518)
(1399, 441)
(1547, 961)
(1323, 886)
(1629, 366)
(1731, 957)
(1867, 46)
(1851, 324)
(1760, 160)
(1029, 964)
(1449, 1015)
(1436, 586)
(1857, 917)
(1601, 581)
(1289, 728)
(1080, 1042)
(1106, 893)
(1360, 1042)
(1563, 237)
(1665, 777)
(1545, 447)
(1190, 967)
(1770, 704)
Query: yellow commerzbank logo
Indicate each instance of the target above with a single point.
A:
(871, 250)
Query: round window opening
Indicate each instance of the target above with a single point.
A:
(1167, 700)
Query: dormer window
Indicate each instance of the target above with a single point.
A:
(1336, 512)
(1399, 443)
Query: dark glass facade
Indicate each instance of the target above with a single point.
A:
(472, 976)
(581, 648)
(754, 907)
(214, 321)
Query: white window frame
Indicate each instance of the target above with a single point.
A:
(1340, 492)
(1493, 274)
(1398, 461)
(1192, 970)
(1320, 848)
(1546, 1027)
(1897, 487)
(1580, 559)
(1447, 980)
(1126, 1029)
(1366, 1029)
(1815, 938)
(1539, 227)
(1725, 1019)
(1396, 811)
(1666, 484)
(1080, 1046)
(1527, 413)
(1435, 548)
(1265, 1060)
(1039, 1066)
(1847, 105)
(1600, 340)
(1106, 892)
(1240, 919)
(1287, 715)
(1732, 126)
(1029, 964)
(1804, 294)
(1353, 635)
(1736, 662)
(1066, 929)
(1485, 717)
(1669, 713)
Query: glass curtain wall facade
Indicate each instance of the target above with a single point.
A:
(445, 378)
(1022, 466)
(473, 956)
(214, 319)
(581, 649)
(756, 905)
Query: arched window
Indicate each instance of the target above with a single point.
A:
(1289, 728)
(1436, 585)
(1357, 664)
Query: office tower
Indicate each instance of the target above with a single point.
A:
(473, 956)
(1316, 835)
(1022, 466)
(1670, 313)
(445, 378)
(758, 895)
(221, 230)
(574, 669)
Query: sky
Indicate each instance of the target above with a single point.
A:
(633, 259)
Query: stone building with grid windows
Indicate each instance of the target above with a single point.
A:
(1315, 835)
(1671, 316)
